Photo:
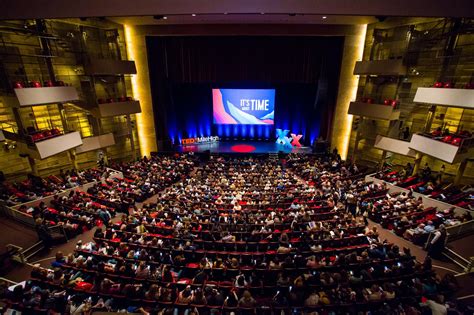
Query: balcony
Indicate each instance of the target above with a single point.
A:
(117, 109)
(463, 98)
(45, 95)
(447, 152)
(374, 111)
(97, 142)
(49, 147)
(391, 67)
(110, 67)
(394, 145)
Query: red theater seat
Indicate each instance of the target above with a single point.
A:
(457, 141)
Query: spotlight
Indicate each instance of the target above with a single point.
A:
(194, 14)
(325, 17)
(165, 18)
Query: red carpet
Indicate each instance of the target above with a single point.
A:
(243, 148)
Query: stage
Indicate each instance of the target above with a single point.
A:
(242, 147)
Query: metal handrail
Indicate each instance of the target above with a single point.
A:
(8, 281)
(19, 255)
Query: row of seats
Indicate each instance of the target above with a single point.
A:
(237, 235)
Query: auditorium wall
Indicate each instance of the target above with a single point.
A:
(72, 42)
(421, 43)
(346, 88)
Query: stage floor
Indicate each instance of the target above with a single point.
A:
(242, 147)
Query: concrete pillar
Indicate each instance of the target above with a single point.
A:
(460, 172)
(19, 123)
(416, 166)
(382, 161)
(33, 166)
(72, 158)
(132, 141)
(429, 118)
(357, 139)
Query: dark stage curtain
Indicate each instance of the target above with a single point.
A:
(303, 70)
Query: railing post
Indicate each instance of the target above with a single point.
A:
(470, 266)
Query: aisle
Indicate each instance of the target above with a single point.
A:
(442, 267)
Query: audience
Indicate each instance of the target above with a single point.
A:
(239, 235)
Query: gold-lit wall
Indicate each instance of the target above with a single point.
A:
(342, 123)
(136, 49)
(76, 41)
(393, 39)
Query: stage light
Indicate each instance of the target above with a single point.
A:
(165, 18)
(325, 17)
(194, 14)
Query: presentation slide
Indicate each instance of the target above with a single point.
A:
(243, 106)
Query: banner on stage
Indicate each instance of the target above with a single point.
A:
(199, 140)
(243, 106)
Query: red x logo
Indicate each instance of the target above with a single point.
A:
(295, 140)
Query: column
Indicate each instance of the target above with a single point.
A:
(460, 172)
(132, 141)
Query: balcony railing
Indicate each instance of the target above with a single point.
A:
(97, 142)
(444, 151)
(392, 67)
(46, 95)
(463, 98)
(394, 146)
(375, 111)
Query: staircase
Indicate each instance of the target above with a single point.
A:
(457, 259)
(24, 256)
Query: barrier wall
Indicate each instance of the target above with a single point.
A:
(447, 97)
(53, 146)
(429, 202)
(117, 109)
(394, 145)
(380, 67)
(438, 149)
(12, 211)
(96, 142)
(376, 111)
(46, 95)
(109, 67)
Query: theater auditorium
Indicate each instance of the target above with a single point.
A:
(197, 157)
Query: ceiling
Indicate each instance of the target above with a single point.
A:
(26, 9)
(257, 18)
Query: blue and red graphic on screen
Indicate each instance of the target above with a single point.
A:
(243, 106)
